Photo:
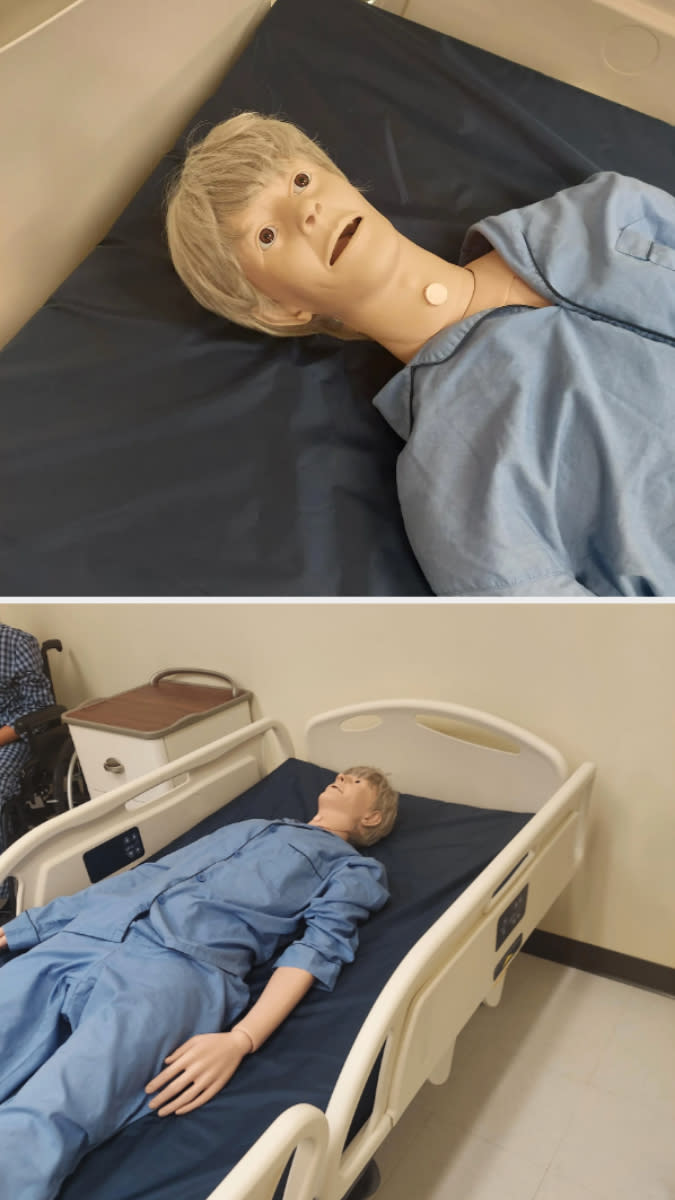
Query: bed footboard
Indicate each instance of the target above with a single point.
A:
(302, 1133)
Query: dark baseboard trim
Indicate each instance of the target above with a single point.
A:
(601, 962)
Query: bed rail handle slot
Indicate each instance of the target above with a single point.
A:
(510, 878)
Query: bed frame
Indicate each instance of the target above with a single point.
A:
(440, 750)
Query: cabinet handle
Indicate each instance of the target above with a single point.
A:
(114, 766)
(195, 671)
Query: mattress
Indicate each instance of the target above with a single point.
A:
(434, 852)
(150, 448)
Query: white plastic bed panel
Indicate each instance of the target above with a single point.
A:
(47, 862)
(301, 1131)
(441, 750)
(455, 965)
(621, 49)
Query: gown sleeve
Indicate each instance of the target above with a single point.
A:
(348, 896)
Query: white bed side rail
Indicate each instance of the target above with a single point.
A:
(48, 861)
(442, 750)
(448, 973)
(301, 1132)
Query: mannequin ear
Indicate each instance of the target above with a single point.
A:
(275, 314)
(374, 817)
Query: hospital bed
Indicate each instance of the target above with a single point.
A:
(492, 827)
(149, 447)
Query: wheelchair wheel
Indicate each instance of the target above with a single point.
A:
(69, 787)
(13, 821)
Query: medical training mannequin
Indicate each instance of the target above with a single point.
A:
(537, 399)
(159, 955)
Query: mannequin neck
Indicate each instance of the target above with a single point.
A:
(331, 824)
(402, 319)
(399, 317)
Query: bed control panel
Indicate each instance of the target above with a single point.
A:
(511, 917)
(117, 852)
(506, 958)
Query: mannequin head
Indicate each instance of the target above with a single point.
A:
(360, 806)
(222, 181)
(266, 231)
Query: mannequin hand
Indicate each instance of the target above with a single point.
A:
(3, 940)
(197, 1071)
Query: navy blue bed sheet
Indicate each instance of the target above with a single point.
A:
(435, 851)
(150, 448)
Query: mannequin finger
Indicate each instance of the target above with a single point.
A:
(187, 1096)
(175, 1088)
(202, 1099)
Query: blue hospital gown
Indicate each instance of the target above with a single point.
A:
(540, 455)
(24, 688)
(138, 963)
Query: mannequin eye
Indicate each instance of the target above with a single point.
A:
(301, 181)
(267, 236)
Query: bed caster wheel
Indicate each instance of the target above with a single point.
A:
(367, 1183)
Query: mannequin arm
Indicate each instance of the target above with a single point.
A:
(283, 991)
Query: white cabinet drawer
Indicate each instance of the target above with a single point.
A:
(110, 759)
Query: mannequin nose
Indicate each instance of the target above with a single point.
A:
(310, 210)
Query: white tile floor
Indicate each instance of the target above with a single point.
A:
(565, 1091)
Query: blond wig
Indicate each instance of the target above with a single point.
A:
(385, 802)
(220, 176)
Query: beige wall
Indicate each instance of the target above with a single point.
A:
(89, 101)
(594, 679)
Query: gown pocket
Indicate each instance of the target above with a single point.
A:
(637, 240)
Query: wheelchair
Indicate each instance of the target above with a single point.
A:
(51, 780)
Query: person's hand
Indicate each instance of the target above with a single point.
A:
(3, 940)
(197, 1071)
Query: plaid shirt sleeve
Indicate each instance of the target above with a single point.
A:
(24, 687)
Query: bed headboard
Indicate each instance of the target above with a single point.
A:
(440, 750)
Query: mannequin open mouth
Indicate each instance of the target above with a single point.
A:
(344, 239)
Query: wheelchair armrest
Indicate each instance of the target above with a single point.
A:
(30, 722)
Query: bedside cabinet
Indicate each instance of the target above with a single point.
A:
(118, 738)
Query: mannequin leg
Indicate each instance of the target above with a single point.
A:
(34, 988)
(140, 1004)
